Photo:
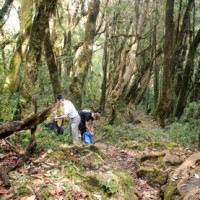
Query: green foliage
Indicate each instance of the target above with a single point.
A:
(111, 187)
(187, 129)
(23, 190)
(127, 132)
(48, 139)
(182, 133)
(8, 105)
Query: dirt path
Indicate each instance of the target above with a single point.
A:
(121, 159)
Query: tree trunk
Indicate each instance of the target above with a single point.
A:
(195, 94)
(181, 45)
(29, 90)
(104, 81)
(12, 81)
(82, 64)
(164, 108)
(7, 129)
(187, 74)
(127, 67)
(51, 62)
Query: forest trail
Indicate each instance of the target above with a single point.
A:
(56, 172)
(126, 160)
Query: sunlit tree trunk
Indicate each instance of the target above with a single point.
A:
(12, 81)
(127, 67)
(164, 107)
(40, 23)
(82, 64)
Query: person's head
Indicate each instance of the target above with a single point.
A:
(96, 116)
(60, 97)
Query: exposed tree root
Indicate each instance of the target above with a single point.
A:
(190, 162)
(151, 155)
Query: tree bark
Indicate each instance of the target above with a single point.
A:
(82, 64)
(7, 129)
(29, 90)
(51, 62)
(164, 108)
(12, 81)
(104, 81)
(195, 95)
(185, 84)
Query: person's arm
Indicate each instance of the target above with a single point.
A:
(89, 126)
(60, 117)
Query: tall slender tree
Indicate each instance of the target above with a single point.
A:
(164, 107)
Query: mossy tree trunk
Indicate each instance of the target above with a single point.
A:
(12, 81)
(52, 65)
(127, 67)
(83, 60)
(29, 89)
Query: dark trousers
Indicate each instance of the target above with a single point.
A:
(54, 125)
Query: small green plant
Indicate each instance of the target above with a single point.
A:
(111, 188)
(23, 191)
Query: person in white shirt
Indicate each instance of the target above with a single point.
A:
(70, 111)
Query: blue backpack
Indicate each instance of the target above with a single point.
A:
(87, 138)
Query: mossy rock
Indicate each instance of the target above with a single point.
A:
(170, 192)
(154, 176)
(116, 185)
(157, 145)
(91, 160)
(127, 185)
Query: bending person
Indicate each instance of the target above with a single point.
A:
(87, 121)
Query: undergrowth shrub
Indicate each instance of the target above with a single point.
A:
(187, 129)
(125, 132)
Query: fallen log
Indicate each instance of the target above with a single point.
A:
(8, 128)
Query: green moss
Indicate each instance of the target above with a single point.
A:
(171, 145)
(24, 191)
(57, 155)
(45, 194)
(170, 192)
(110, 187)
(154, 176)
(131, 145)
(127, 185)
